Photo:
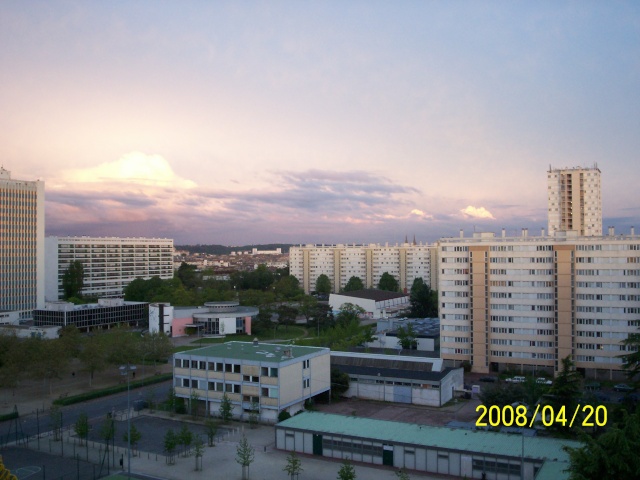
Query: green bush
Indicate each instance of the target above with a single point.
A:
(8, 416)
(283, 415)
(83, 397)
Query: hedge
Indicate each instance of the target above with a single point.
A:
(8, 416)
(83, 397)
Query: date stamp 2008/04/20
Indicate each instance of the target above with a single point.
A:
(509, 416)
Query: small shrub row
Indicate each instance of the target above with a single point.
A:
(8, 416)
(83, 397)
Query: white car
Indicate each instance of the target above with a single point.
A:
(543, 381)
(516, 379)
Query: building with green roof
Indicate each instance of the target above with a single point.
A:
(449, 451)
(273, 377)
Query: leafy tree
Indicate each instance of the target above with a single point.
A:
(565, 392)
(349, 313)
(185, 438)
(93, 354)
(323, 284)
(49, 359)
(198, 446)
(346, 472)
(170, 444)
(308, 307)
(13, 361)
(245, 455)
(407, 337)
(73, 279)
(194, 400)
(402, 475)
(258, 298)
(614, 454)
(502, 394)
(286, 315)
(123, 346)
(354, 284)
(388, 282)
(71, 340)
(107, 429)
(632, 360)
(264, 324)
(211, 428)
(155, 346)
(81, 427)
(293, 466)
(339, 383)
(171, 400)
(254, 414)
(424, 301)
(188, 275)
(136, 436)
(226, 409)
(5, 473)
(55, 417)
(288, 288)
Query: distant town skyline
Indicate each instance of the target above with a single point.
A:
(287, 122)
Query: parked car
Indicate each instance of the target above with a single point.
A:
(543, 381)
(488, 379)
(516, 379)
(623, 387)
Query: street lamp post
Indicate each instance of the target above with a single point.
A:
(125, 370)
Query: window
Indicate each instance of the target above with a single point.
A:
(231, 388)
(251, 378)
(232, 367)
(306, 383)
(305, 364)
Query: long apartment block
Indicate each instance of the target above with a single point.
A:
(525, 303)
(110, 263)
(405, 262)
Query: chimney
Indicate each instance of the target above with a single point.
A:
(461, 233)
(504, 233)
(542, 232)
(611, 231)
(633, 231)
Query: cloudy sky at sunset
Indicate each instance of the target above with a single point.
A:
(319, 121)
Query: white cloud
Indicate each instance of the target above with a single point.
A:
(133, 167)
(477, 212)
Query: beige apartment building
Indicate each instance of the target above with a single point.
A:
(21, 247)
(527, 302)
(110, 263)
(574, 200)
(405, 262)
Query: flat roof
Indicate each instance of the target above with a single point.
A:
(396, 373)
(479, 442)
(373, 294)
(262, 352)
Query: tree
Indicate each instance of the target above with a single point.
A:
(13, 361)
(293, 466)
(73, 279)
(81, 427)
(188, 275)
(424, 301)
(339, 383)
(170, 444)
(614, 454)
(632, 360)
(185, 438)
(245, 455)
(198, 446)
(407, 337)
(323, 284)
(135, 437)
(308, 307)
(194, 400)
(565, 392)
(502, 394)
(5, 473)
(171, 400)
(211, 428)
(388, 282)
(354, 284)
(48, 359)
(226, 409)
(254, 414)
(286, 315)
(402, 475)
(349, 313)
(346, 472)
(55, 417)
(288, 288)
(93, 354)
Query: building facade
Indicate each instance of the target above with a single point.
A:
(270, 377)
(405, 262)
(211, 320)
(574, 200)
(108, 312)
(21, 245)
(526, 303)
(376, 303)
(110, 263)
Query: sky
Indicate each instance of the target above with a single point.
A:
(317, 121)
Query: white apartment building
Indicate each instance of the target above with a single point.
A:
(110, 263)
(21, 246)
(405, 262)
(574, 200)
(527, 302)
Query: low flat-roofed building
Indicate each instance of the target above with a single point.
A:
(376, 303)
(401, 379)
(441, 450)
(273, 377)
(426, 330)
(104, 314)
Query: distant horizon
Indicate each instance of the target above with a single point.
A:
(324, 122)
